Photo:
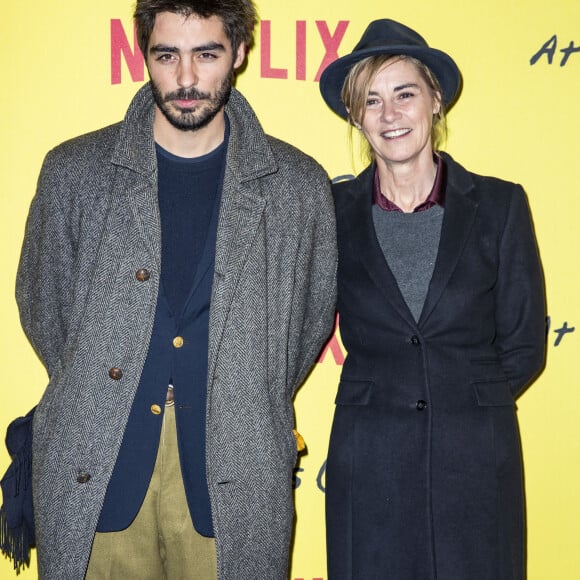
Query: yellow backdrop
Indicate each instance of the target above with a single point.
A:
(69, 67)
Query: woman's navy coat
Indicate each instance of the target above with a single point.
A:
(424, 477)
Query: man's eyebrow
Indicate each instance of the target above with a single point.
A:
(201, 48)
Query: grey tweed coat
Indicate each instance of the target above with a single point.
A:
(93, 223)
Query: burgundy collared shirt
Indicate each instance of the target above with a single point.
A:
(436, 197)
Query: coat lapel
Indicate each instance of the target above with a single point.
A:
(460, 211)
(136, 175)
(362, 239)
(142, 200)
(243, 200)
(239, 218)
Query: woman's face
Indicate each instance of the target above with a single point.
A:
(399, 114)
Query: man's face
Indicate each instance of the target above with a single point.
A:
(190, 63)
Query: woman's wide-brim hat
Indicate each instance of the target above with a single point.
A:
(384, 37)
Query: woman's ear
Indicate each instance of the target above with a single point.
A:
(351, 120)
(437, 103)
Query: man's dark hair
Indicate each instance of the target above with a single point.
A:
(238, 16)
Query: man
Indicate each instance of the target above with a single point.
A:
(177, 281)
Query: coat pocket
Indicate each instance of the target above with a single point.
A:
(493, 393)
(490, 383)
(354, 392)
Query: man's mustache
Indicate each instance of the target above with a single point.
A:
(191, 94)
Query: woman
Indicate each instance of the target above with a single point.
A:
(441, 306)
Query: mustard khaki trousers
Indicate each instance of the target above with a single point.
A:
(161, 543)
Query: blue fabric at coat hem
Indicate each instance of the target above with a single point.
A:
(17, 514)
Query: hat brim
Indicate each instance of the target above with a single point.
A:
(440, 63)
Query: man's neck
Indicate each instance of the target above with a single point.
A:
(188, 143)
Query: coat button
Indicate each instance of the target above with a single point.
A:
(156, 409)
(115, 373)
(178, 342)
(415, 340)
(421, 405)
(83, 477)
(142, 274)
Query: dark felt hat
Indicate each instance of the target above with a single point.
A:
(389, 37)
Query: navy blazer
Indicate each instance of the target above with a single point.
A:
(187, 368)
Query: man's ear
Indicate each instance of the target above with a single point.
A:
(240, 56)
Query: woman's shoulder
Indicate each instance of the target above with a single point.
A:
(495, 198)
(462, 178)
(346, 185)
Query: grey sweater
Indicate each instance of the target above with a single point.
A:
(410, 242)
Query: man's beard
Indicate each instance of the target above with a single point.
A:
(194, 118)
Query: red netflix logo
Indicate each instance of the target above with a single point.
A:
(333, 347)
(330, 42)
(123, 50)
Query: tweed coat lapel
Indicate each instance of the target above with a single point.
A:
(460, 211)
(243, 200)
(249, 157)
(136, 175)
(360, 235)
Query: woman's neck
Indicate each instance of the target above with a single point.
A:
(408, 184)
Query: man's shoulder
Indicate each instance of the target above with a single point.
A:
(73, 169)
(93, 145)
(294, 160)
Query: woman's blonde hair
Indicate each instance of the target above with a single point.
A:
(356, 87)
